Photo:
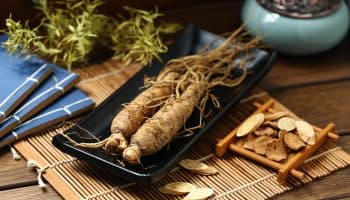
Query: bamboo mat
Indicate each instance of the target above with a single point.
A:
(238, 178)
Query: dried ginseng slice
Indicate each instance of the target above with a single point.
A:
(177, 188)
(275, 116)
(276, 151)
(193, 165)
(286, 123)
(306, 132)
(282, 133)
(198, 167)
(272, 124)
(261, 144)
(267, 131)
(199, 194)
(250, 125)
(208, 171)
(240, 141)
(293, 141)
(163, 190)
(250, 141)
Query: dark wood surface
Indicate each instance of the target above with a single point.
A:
(204, 13)
(317, 88)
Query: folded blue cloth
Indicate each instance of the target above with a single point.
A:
(18, 79)
(73, 103)
(55, 86)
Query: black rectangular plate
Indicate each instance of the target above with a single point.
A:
(98, 121)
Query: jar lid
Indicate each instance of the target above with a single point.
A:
(301, 8)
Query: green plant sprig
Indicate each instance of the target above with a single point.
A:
(65, 36)
(138, 38)
(70, 29)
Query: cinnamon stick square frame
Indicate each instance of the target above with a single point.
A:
(291, 165)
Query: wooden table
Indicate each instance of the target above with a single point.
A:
(317, 88)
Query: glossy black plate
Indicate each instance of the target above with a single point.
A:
(98, 121)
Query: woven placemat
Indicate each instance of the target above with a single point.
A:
(238, 178)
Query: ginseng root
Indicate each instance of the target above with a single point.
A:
(166, 123)
(183, 86)
(202, 72)
(159, 130)
(130, 118)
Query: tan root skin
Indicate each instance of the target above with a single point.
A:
(132, 154)
(165, 124)
(116, 142)
(250, 125)
(130, 118)
(293, 142)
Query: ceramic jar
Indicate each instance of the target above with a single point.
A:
(297, 29)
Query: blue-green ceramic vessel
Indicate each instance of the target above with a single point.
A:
(296, 36)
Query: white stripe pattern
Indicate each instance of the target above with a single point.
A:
(55, 111)
(57, 86)
(17, 118)
(67, 111)
(31, 78)
(15, 134)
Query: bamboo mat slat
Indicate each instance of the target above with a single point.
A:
(238, 178)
